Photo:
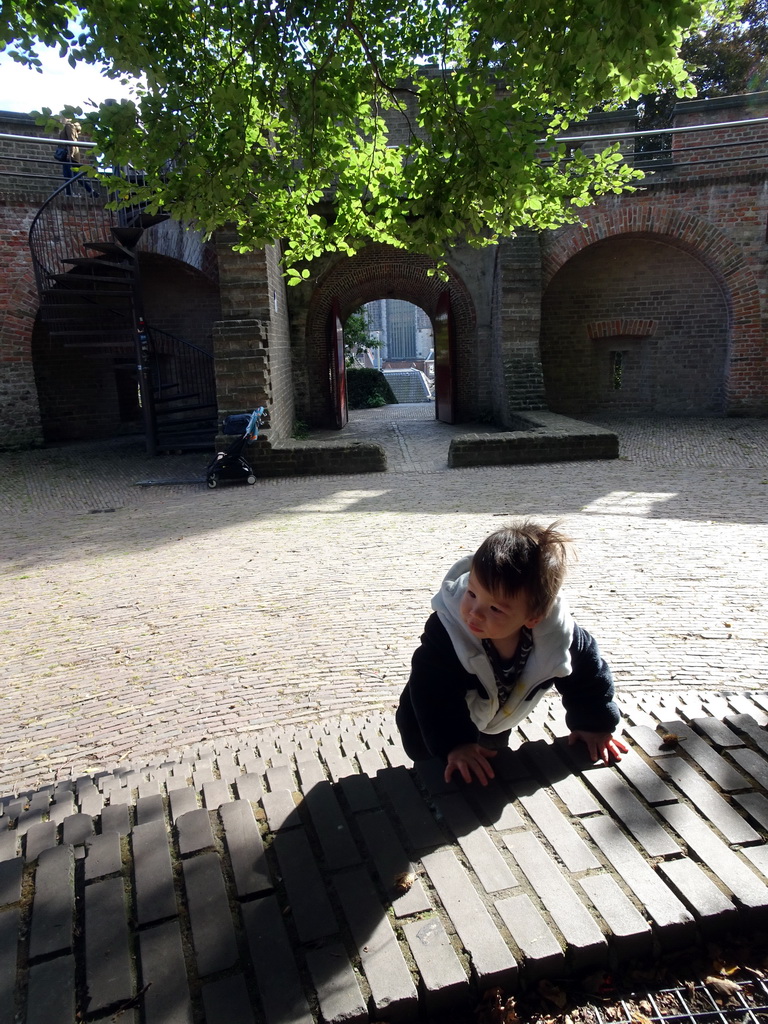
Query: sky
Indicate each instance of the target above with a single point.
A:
(23, 89)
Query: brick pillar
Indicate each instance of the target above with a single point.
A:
(251, 342)
(518, 375)
(243, 379)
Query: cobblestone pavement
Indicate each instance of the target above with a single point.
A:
(244, 647)
(140, 617)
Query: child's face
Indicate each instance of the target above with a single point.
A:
(493, 617)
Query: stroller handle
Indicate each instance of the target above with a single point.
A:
(256, 420)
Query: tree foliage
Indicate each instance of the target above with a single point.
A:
(724, 59)
(731, 58)
(357, 337)
(421, 120)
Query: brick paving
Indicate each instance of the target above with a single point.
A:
(205, 805)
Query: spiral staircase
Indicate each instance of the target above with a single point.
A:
(88, 279)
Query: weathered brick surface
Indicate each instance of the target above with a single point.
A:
(10, 881)
(227, 1000)
(391, 863)
(444, 983)
(392, 987)
(53, 907)
(155, 895)
(310, 907)
(492, 960)
(10, 920)
(103, 855)
(338, 991)
(108, 963)
(281, 993)
(167, 998)
(674, 922)
(210, 917)
(51, 995)
(586, 942)
(542, 953)
(630, 932)
(246, 849)
(484, 857)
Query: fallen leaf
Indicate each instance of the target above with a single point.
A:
(723, 986)
(552, 993)
(404, 881)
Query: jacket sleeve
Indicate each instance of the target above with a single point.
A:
(588, 691)
(437, 689)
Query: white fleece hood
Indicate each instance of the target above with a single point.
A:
(549, 659)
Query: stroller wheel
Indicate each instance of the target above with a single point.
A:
(213, 481)
(250, 479)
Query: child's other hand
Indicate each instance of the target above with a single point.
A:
(470, 760)
(600, 745)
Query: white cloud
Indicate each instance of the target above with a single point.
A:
(23, 89)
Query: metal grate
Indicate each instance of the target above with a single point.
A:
(694, 1004)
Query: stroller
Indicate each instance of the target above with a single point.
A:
(230, 464)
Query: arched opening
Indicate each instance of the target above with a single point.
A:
(395, 338)
(85, 370)
(381, 275)
(635, 326)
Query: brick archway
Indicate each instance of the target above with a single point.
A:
(380, 272)
(728, 263)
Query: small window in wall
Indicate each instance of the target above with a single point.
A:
(617, 370)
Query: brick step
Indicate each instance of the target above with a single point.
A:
(276, 864)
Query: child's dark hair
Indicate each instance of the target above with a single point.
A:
(524, 557)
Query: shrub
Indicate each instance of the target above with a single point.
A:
(367, 389)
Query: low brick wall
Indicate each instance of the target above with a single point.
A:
(310, 458)
(544, 437)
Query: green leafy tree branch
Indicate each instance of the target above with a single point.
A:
(328, 124)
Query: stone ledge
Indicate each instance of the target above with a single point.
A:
(545, 437)
(313, 458)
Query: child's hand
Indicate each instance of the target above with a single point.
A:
(600, 745)
(470, 759)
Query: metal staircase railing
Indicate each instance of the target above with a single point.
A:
(88, 280)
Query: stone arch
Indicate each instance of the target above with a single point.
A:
(727, 262)
(634, 326)
(377, 272)
(91, 392)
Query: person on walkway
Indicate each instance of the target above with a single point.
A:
(500, 635)
(69, 134)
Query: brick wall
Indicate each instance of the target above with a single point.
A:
(715, 214)
(656, 306)
(28, 168)
(19, 408)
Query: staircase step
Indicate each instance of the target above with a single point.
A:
(148, 220)
(101, 291)
(110, 249)
(97, 279)
(127, 236)
(93, 262)
(202, 444)
(88, 332)
(176, 398)
(85, 343)
(184, 426)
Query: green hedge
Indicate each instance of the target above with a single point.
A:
(368, 389)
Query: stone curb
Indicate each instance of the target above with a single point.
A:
(543, 437)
